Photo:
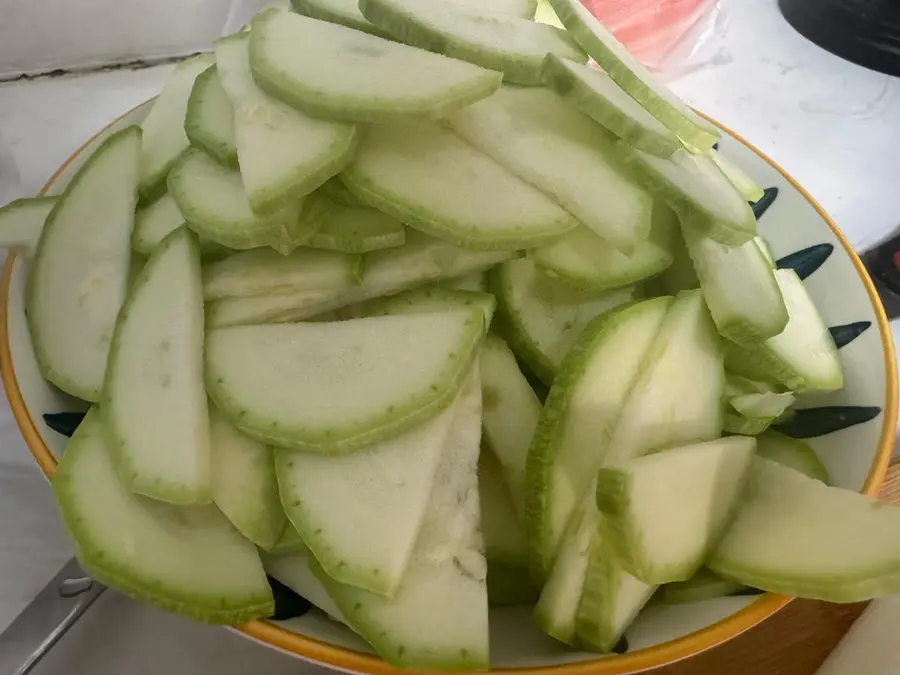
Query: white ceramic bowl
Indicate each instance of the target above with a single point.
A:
(851, 430)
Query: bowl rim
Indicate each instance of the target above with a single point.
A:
(666, 653)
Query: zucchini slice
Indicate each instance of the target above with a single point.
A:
(156, 363)
(292, 569)
(793, 453)
(562, 152)
(80, 270)
(632, 76)
(335, 388)
(22, 220)
(343, 12)
(542, 317)
(283, 153)
(598, 96)
(354, 229)
(704, 585)
(189, 561)
(427, 177)
(209, 120)
(446, 572)
(513, 45)
(358, 77)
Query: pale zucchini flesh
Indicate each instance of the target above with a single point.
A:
(510, 412)
(803, 356)
(452, 260)
(699, 193)
(513, 45)
(664, 513)
(209, 120)
(288, 542)
(262, 271)
(344, 12)
(171, 557)
(626, 71)
(360, 513)
(425, 176)
(164, 138)
(292, 569)
(793, 453)
(551, 145)
(22, 220)
(584, 404)
(338, 387)
(283, 153)
(355, 229)
(431, 300)
(704, 585)
(542, 317)
(795, 535)
(678, 396)
(504, 537)
(598, 96)
(358, 77)
(80, 270)
(739, 287)
(749, 188)
(155, 222)
(155, 373)
(243, 483)
(439, 616)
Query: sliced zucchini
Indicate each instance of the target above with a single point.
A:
(156, 363)
(510, 415)
(243, 483)
(699, 193)
(513, 45)
(632, 76)
(477, 282)
(385, 273)
(81, 267)
(189, 561)
(677, 398)
(803, 356)
(262, 271)
(455, 261)
(155, 222)
(334, 388)
(746, 186)
(439, 617)
(680, 275)
(353, 229)
(795, 535)
(551, 145)
(735, 423)
(610, 600)
(665, 512)
(164, 138)
(584, 260)
(209, 120)
(739, 286)
(283, 153)
(293, 571)
(557, 608)
(425, 176)
(22, 220)
(760, 406)
(598, 96)
(431, 299)
(382, 491)
(704, 585)
(343, 12)
(335, 190)
(793, 453)
(214, 203)
(766, 250)
(524, 9)
(542, 317)
(584, 404)
(288, 542)
(358, 77)
(504, 538)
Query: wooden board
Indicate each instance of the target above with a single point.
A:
(793, 642)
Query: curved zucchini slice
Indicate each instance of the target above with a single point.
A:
(209, 121)
(22, 220)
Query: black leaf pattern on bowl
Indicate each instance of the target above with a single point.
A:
(621, 646)
(747, 591)
(64, 423)
(716, 145)
(812, 422)
(763, 203)
(807, 260)
(288, 605)
(844, 335)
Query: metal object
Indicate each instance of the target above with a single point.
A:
(43, 622)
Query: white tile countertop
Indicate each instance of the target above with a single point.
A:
(832, 125)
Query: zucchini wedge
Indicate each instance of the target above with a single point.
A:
(22, 220)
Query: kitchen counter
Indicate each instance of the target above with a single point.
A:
(832, 125)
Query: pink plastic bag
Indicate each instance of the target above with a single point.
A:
(663, 34)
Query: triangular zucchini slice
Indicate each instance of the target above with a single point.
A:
(357, 77)
(185, 560)
(209, 120)
(338, 387)
(156, 363)
(22, 220)
(81, 268)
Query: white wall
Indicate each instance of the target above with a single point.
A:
(41, 35)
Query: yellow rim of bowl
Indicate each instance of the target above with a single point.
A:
(643, 659)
